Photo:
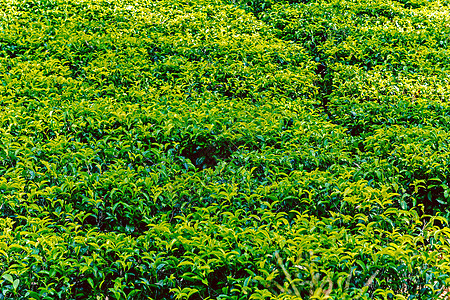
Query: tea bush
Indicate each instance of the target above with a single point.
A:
(224, 149)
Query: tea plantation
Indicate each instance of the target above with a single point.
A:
(224, 149)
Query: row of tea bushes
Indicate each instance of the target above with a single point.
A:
(230, 255)
(384, 72)
(212, 150)
(381, 55)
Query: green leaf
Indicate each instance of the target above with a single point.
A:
(8, 277)
(16, 284)
(91, 282)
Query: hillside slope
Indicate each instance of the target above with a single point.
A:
(224, 150)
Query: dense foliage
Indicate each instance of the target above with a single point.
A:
(206, 149)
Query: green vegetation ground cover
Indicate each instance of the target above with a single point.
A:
(224, 149)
